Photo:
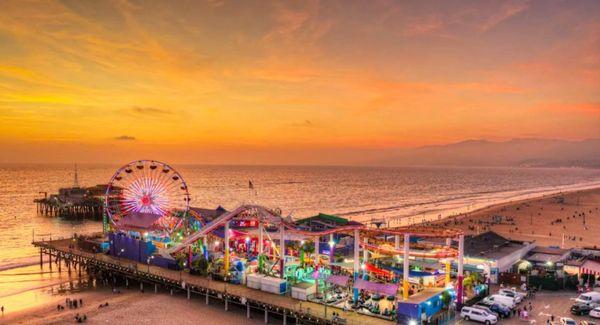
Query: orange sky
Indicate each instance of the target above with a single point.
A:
(289, 82)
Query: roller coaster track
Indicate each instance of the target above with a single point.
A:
(269, 216)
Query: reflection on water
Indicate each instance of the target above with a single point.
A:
(360, 193)
(30, 286)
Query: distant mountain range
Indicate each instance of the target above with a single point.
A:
(516, 152)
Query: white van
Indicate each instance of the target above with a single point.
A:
(589, 298)
(508, 301)
(509, 293)
(478, 315)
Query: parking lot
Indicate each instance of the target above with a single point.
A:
(545, 304)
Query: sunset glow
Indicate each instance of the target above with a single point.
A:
(289, 82)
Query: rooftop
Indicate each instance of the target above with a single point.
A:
(490, 245)
(326, 220)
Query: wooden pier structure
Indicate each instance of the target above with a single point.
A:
(113, 270)
(73, 203)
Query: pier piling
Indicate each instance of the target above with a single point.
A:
(103, 267)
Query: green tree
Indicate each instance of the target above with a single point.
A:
(446, 299)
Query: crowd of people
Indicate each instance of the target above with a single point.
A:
(73, 303)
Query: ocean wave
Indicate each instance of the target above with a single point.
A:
(467, 203)
(19, 262)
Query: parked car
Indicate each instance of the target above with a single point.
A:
(595, 312)
(486, 308)
(580, 309)
(567, 321)
(586, 322)
(508, 301)
(478, 315)
(502, 310)
(510, 293)
(589, 298)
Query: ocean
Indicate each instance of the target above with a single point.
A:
(397, 195)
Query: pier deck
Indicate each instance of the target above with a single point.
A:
(202, 286)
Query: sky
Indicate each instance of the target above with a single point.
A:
(290, 82)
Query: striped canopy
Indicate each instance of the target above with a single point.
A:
(590, 267)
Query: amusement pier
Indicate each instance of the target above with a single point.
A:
(319, 269)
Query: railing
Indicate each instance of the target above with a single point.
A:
(307, 311)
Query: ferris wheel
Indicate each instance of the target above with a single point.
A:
(147, 194)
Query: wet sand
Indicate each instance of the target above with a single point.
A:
(575, 215)
(544, 220)
(130, 307)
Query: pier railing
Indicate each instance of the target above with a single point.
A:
(305, 312)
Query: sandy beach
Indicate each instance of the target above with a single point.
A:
(129, 307)
(544, 220)
(575, 215)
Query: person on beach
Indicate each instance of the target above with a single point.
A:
(2, 308)
(80, 302)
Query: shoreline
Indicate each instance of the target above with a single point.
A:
(565, 219)
(433, 215)
(521, 201)
(42, 308)
(410, 219)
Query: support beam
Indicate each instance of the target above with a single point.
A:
(331, 248)
(141, 286)
(247, 309)
(188, 292)
(459, 277)
(284, 318)
(226, 245)
(260, 238)
(365, 255)
(282, 251)
(406, 268)
(356, 260)
(266, 316)
(316, 250)
(207, 296)
(226, 304)
(448, 265)
(155, 288)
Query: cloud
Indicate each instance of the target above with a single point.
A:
(303, 124)
(506, 11)
(125, 138)
(150, 111)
